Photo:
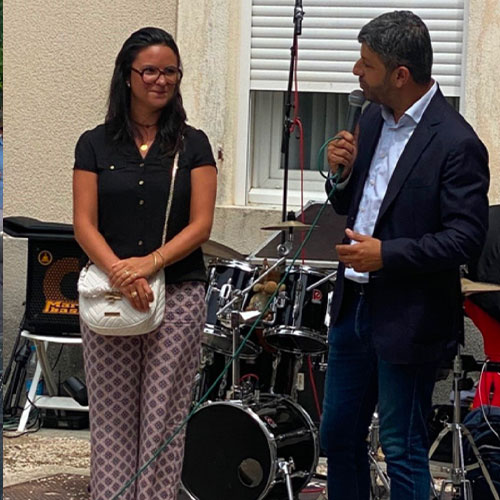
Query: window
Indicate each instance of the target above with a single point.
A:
(328, 48)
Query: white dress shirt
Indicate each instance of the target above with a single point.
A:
(391, 144)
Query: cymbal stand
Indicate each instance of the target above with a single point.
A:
(221, 394)
(284, 247)
(458, 483)
(235, 326)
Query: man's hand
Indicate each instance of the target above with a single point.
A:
(342, 151)
(363, 256)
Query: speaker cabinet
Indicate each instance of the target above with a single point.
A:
(54, 263)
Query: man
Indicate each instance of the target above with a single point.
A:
(414, 189)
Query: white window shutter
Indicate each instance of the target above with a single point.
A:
(328, 46)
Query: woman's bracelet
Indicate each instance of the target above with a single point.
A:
(155, 261)
(161, 257)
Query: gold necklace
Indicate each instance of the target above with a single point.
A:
(145, 146)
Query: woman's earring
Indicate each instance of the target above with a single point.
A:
(128, 84)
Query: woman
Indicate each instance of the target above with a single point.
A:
(140, 386)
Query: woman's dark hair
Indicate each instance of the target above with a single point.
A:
(172, 121)
(400, 38)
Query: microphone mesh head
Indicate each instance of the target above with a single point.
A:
(356, 98)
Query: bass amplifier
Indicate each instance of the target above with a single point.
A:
(54, 262)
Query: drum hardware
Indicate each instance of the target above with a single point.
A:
(280, 301)
(458, 484)
(221, 394)
(297, 302)
(226, 291)
(377, 474)
(239, 318)
(286, 467)
(321, 281)
(249, 390)
(297, 365)
(206, 360)
(274, 374)
(328, 309)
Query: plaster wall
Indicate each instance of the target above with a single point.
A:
(58, 61)
(482, 101)
(209, 39)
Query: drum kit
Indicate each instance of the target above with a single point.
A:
(252, 439)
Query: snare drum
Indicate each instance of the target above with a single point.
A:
(226, 277)
(300, 323)
(233, 449)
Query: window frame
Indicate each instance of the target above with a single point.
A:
(244, 193)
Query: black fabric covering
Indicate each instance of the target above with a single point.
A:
(487, 267)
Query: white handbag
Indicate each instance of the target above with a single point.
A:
(106, 311)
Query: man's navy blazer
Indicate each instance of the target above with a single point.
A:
(433, 218)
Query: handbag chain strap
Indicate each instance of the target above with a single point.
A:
(170, 196)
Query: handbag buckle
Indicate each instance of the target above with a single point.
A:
(112, 296)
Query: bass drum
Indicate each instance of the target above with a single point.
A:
(233, 449)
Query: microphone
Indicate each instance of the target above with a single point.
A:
(356, 100)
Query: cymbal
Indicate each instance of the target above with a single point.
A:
(289, 224)
(215, 249)
(469, 287)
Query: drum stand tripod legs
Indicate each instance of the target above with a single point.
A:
(458, 483)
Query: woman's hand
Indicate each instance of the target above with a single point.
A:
(139, 294)
(126, 271)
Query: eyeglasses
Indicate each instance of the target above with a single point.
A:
(150, 74)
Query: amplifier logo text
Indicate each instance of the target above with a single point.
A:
(60, 307)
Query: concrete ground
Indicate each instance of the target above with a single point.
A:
(45, 453)
(33, 459)
(36, 458)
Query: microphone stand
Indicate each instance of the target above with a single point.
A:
(298, 15)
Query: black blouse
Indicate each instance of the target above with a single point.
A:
(133, 192)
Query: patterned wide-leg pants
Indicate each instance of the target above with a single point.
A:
(139, 393)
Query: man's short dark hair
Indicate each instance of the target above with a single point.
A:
(400, 38)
